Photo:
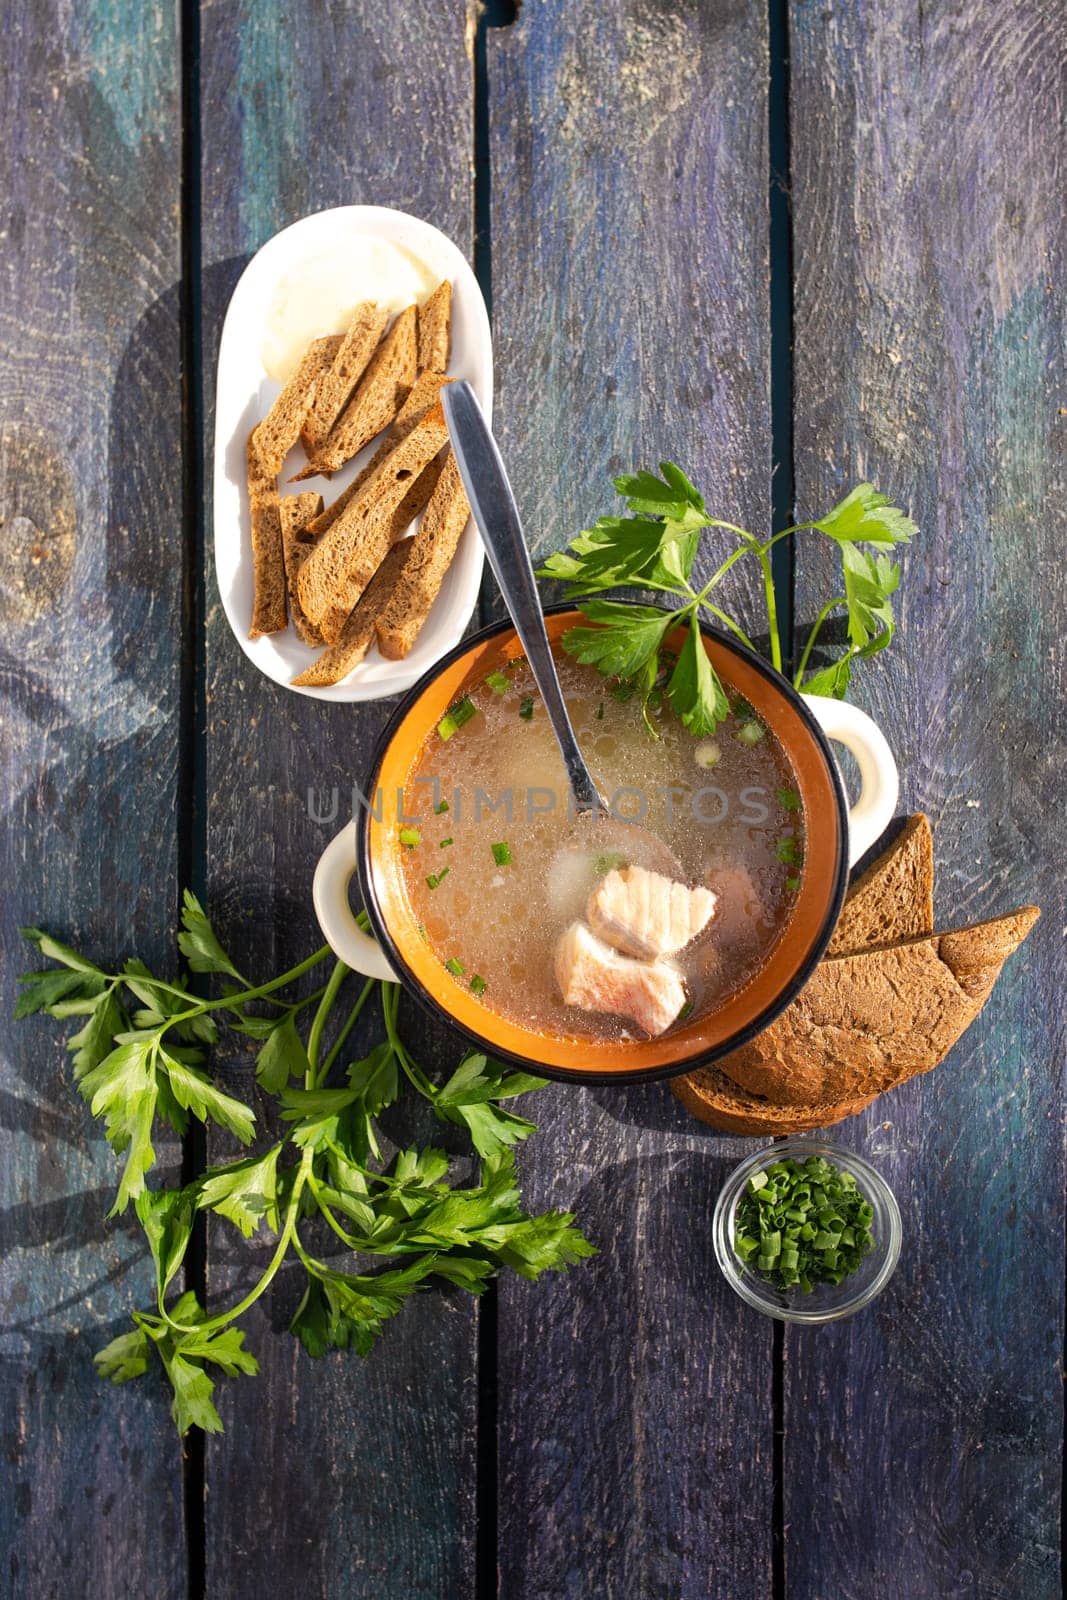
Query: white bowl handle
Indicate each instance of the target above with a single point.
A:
(879, 779)
(330, 894)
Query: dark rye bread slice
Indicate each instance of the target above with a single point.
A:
(350, 553)
(355, 349)
(434, 546)
(894, 898)
(409, 508)
(427, 390)
(276, 435)
(268, 568)
(296, 511)
(379, 395)
(435, 330)
(261, 481)
(357, 635)
(714, 1098)
(869, 1021)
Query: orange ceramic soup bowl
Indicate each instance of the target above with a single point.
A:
(835, 836)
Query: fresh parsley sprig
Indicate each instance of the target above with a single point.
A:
(655, 549)
(138, 1057)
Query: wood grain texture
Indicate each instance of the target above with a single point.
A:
(364, 1472)
(90, 600)
(922, 1439)
(629, 235)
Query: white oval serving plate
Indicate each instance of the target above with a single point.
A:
(245, 393)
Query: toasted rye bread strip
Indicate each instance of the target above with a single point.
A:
(435, 545)
(382, 391)
(354, 351)
(339, 569)
(435, 330)
(276, 435)
(427, 389)
(412, 504)
(296, 511)
(357, 635)
(261, 482)
(268, 568)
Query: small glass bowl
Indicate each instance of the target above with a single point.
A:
(826, 1302)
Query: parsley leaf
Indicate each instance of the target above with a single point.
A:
(52, 950)
(129, 1356)
(42, 990)
(167, 1217)
(866, 515)
(194, 1090)
(695, 689)
(282, 1056)
(625, 638)
(245, 1192)
(467, 1099)
(122, 1089)
(339, 1311)
(198, 943)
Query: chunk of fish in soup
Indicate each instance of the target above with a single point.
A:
(498, 869)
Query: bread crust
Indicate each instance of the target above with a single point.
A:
(713, 1098)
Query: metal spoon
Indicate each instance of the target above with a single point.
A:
(497, 516)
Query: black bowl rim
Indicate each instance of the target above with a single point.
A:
(672, 1069)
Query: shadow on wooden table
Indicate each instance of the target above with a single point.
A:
(652, 1105)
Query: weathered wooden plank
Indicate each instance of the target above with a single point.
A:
(341, 1477)
(922, 1452)
(629, 237)
(90, 498)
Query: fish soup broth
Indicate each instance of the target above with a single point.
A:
(497, 867)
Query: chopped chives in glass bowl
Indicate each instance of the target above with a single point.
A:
(806, 1231)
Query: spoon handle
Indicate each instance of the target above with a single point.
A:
(495, 512)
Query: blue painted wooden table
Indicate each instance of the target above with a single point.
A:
(788, 248)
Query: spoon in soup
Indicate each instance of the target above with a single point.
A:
(497, 516)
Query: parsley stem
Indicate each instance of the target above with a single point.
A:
(337, 977)
(772, 610)
(748, 548)
(285, 1238)
(731, 527)
(786, 533)
(390, 1006)
(349, 1023)
(232, 1001)
(345, 1238)
(814, 634)
(728, 622)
